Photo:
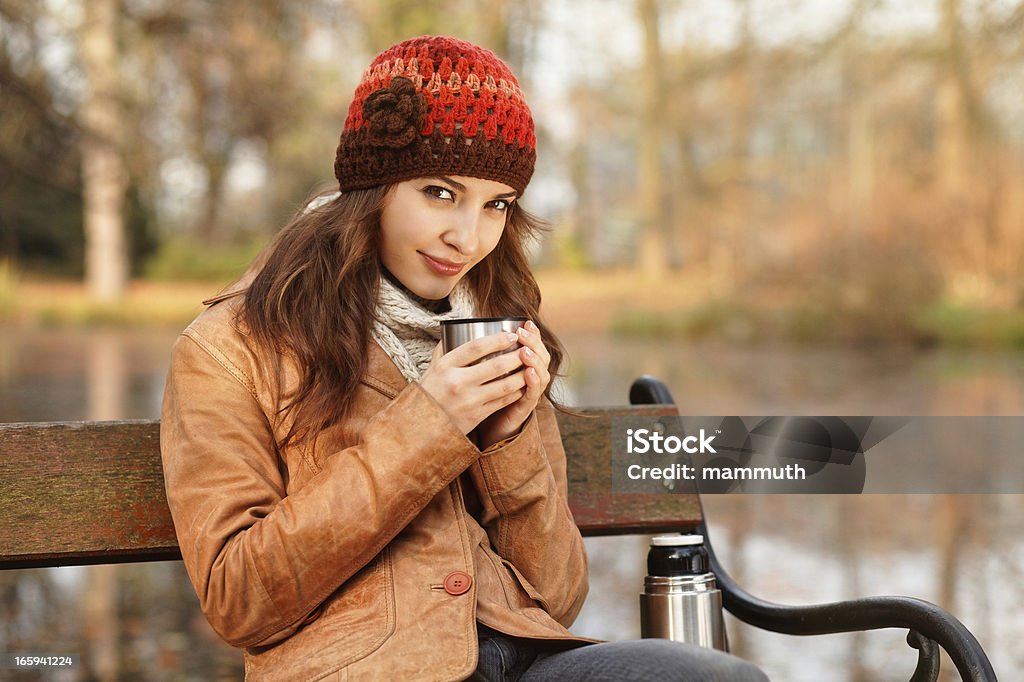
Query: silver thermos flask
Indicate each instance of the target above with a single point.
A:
(680, 600)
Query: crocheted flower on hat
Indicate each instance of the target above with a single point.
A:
(394, 114)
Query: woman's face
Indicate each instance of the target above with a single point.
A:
(434, 230)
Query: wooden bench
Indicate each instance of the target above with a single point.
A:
(77, 493)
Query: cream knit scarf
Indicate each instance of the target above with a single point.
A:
(408, 332)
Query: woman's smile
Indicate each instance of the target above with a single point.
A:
(443, 267)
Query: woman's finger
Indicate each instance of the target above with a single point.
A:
(472, 351)
(506, 401)
(507, 384)
(438, 352)
(529, 336)
(492, 368)
(532, 361)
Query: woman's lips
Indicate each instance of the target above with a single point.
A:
(444, 268)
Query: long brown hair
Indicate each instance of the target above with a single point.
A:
(315, 295)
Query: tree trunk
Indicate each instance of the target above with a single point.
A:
(728, 252)
(860, 127)
(657, 248)
(952, 143)
(104, 178)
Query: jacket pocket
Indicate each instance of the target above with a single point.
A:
(354, 622)
(519, 593)
(523, 582)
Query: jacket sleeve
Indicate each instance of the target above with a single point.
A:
(262, 560)
(524, 493)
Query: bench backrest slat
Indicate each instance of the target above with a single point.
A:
(93, 492)
(588, 448)
(82, 492)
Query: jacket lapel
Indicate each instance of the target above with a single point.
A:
(382, 373)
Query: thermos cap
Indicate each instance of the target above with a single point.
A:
(676, 540)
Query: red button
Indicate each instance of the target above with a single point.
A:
(457, 583)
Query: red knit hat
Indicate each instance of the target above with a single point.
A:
(436, 106)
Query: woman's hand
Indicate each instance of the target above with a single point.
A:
(468, 392)
(535, 358)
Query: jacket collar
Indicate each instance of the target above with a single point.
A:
(381, 371)
(235, 289)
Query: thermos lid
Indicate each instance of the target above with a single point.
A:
(677, 540)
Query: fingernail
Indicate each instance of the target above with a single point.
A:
(526, 334)
(512, 337)
(530, 325)
(529, 353)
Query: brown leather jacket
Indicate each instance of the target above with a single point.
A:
(372, 552)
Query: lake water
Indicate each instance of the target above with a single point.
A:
(790, 549)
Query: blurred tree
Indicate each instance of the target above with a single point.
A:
(858, 131)
(582, 238)
(41, 166)
(658, 248)
(712, 100)
(952, 101)
(240, 67)
(104, 176)
(387, 23)
(755, 157)
(510, 29)
(601, 158)
(505, 27)
(973, 174)
(40, 201)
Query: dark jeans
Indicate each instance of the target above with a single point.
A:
(510, 659)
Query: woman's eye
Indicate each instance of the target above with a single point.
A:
(499, 205)
(439, 192)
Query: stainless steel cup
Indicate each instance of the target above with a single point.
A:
(454, 333)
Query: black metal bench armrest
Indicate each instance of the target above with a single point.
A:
(928, 624)
(869, 613)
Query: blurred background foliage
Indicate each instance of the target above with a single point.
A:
(850, 173)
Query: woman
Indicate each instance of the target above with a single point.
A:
(350, 503)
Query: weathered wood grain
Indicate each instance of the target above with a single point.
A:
(93, 492)
(82, 492)
(598, 511)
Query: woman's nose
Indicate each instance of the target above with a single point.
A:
(463, 232)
